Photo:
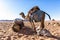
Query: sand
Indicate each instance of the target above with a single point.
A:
(6, 32)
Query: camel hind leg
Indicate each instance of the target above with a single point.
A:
(42, 21)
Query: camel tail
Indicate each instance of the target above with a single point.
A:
(48, 15)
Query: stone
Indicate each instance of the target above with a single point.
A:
(43, 32)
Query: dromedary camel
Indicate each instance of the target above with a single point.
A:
(37, 15)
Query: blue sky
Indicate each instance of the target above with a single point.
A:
(10, 9)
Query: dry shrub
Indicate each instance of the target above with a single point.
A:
(53, 19)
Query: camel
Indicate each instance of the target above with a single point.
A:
(35, 15)
(18, 25)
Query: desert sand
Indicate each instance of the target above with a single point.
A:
(6, 32)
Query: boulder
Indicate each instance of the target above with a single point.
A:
(43, 32)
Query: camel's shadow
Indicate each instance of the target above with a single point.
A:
(55, 37)
(29, 31)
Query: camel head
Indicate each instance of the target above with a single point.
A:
(22, 14)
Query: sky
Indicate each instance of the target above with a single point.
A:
(10, 9)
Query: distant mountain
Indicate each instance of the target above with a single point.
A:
(6, 20)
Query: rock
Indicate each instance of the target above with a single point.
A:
(43, 32)
(53, 19)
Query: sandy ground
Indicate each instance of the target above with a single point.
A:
(6, 32)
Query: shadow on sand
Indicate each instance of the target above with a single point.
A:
(29, 31)
(55, 37)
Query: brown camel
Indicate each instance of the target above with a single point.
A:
(37, 15)
(18, 25)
